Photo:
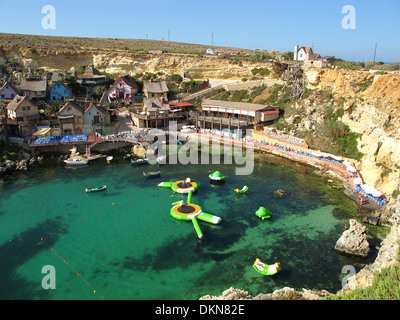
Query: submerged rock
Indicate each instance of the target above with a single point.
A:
(281, 193)
(354, 240)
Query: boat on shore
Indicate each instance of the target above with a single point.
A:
(95, 189)
(151, 174)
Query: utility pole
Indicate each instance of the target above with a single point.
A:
(212, 39)
(376, 45)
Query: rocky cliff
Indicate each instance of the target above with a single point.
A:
(371, 106)
(116, 62)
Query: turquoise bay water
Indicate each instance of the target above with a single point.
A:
(125, 245)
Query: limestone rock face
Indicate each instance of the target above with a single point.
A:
(139, 151)
(354, 240)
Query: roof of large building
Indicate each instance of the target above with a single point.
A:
(236, 105)
(33, 85)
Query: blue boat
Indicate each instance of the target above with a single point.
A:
(138, 161)
(151, 174)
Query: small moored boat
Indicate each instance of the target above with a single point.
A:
(135, 162)
(95, 189)
(151, 174)
(76, 162)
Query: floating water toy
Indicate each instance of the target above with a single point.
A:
(183, 186)
(265, 269)
(217, 176)
(191, 212)
(242, 191)
(263, 213)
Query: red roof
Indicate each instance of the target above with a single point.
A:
(181, 104)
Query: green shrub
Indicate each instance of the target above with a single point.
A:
(385, 286)
(261, 71)
(239, 95)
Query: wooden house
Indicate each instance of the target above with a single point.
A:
(24, 114)
(70, 118)
(60, 91)
(123, 90)
(92, 77)
(33, 88)
(96, 119)
(8, 92)
(155, 89)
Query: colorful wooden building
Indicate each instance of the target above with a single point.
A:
(123, 90)
(60, 91)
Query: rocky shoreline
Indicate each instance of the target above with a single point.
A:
(25, 161)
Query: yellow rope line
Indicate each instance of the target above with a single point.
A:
(73, 269)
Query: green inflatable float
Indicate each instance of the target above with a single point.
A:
(263, 213)
(216, 176)
(265, 269)
(183, 186)
(191, 212)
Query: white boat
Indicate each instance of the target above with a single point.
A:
(76, 162)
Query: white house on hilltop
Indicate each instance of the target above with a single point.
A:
(301, 53)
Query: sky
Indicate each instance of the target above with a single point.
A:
(251, 24)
